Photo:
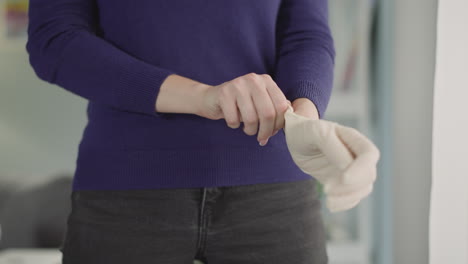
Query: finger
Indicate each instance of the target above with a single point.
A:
(362, 170)
(279, 101)
(249, 115)
(266, 113)
(332, 146)
(247, 109)
(289, 112)
(290, 108)
(337, 203)
(229, 109)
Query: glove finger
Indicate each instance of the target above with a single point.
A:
(357, 143)
(362, 170)
(333, 147)
(317, 167)
(345, 202)
(335, 206)
(331, 182)
(340, 189)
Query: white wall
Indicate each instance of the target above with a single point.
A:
(449, 198)
(414, 49)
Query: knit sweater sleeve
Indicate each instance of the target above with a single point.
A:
(305, 51)
(65, 50)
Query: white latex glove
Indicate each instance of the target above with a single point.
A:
(339, 157)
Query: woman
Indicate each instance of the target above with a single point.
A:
(164, 173)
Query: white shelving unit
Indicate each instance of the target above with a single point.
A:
(349, 232)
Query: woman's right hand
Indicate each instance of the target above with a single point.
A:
(253, 99)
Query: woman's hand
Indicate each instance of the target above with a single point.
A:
(339, 157)
(253, 99)
(306, 108)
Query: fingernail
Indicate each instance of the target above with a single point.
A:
(263, 142)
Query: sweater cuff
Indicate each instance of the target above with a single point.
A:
(143, 90)
(310, 90)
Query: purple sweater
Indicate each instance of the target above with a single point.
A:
(117, 53)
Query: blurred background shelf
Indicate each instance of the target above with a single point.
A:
(350, 21)
(347, 105)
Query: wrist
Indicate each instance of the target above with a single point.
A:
(305, 107)
(179, 94)
(198, 98)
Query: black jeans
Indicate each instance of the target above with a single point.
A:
(246, 224)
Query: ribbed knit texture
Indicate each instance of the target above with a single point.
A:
(116, 54)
